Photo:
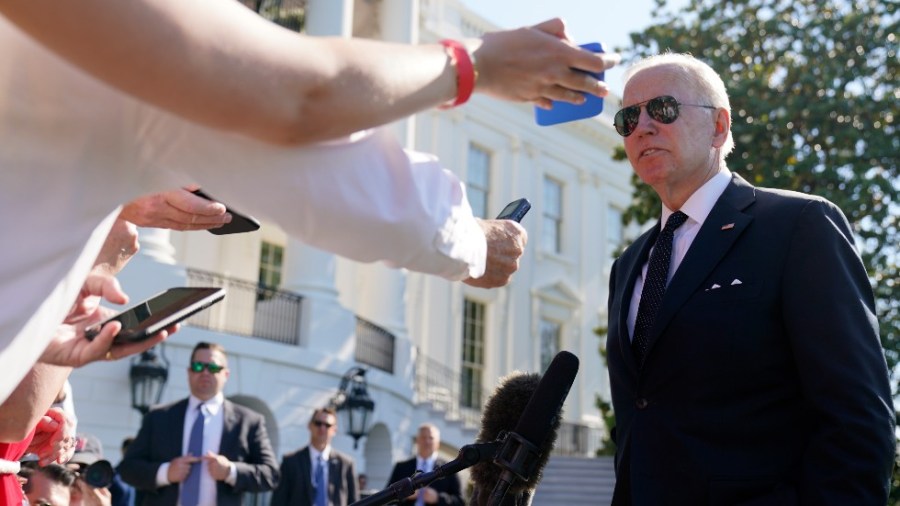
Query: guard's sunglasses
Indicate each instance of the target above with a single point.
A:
(663, 109)
(209, 366)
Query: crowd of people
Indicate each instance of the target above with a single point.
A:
(744, 359)
(207, 450)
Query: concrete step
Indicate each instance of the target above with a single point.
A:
(574, 481)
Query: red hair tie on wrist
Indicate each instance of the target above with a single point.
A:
(466, 74)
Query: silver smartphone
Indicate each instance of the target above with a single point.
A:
(165, 309)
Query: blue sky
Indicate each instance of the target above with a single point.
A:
(587, 20)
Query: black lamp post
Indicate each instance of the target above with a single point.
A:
(353, 404)
(148, 378)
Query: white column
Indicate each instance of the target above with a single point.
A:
(329, 17)
(383, 290)
(326, 326)
(153, 269)
(400, 23)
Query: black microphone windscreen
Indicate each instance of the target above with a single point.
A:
(528, 402)
(546, 403)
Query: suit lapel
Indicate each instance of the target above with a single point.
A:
(305, 474)
(725, 223)
(229, 425)
(177, 424)
(334, 476)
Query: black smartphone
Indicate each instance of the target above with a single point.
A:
(143, 320)
(239, 222)
(515, 210)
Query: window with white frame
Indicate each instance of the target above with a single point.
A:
(271, 263)
(551, 233)
(551, 335)
(472, 363)
(478, 177)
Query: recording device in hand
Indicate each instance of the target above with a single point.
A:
(515, 210)
(165, 309)
(239, 222)
(532, 406)
(561, 112)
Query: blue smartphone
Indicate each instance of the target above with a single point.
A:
(562, 112)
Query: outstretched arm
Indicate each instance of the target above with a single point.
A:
(219, 64)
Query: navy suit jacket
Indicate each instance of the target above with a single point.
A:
(244, 442)
(296, 488)
(448, 489)
(764, 382)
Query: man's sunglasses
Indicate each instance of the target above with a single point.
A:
(663, 109)
(211, 367)
(320, 423)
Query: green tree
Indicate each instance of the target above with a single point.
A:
(814, 98)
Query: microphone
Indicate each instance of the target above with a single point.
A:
(534, 404)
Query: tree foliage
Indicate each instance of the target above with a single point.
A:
(814, 98)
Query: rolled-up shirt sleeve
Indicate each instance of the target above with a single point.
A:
(363, 197)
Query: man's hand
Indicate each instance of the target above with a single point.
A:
(219, 466)
(176, 209)
(121, 244)
(539, 64)
(180, 468)
(54, 438)
(70, 348)
(505, 245)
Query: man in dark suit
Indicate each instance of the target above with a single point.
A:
(203, 450)
(755, 377)
(444, 492)
(318, 463)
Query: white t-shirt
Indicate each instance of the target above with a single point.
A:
(74, 150)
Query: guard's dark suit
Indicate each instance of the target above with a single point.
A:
(244, 442)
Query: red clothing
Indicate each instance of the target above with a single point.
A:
(10, 490)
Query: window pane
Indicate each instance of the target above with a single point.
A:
(478, 178)
(551, 233)
(271, 258)
(550, 342)
(472, 364)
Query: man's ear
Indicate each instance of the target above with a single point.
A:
(722, 127)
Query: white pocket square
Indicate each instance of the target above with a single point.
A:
(737, 282)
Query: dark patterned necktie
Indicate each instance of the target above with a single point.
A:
(654, 285)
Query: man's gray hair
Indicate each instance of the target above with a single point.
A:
(706, 85)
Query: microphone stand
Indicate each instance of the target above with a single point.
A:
(519, 459)
(468, 456)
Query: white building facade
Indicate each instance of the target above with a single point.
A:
(434, 350)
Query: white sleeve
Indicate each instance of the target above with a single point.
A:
(363, 197)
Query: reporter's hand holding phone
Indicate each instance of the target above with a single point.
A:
(177, 209)
(506, 241)
(69, 346)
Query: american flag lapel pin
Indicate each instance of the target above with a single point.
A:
(728, 226)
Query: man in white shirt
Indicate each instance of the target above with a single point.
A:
(443, 492)
(203, 450)
(318, 475)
